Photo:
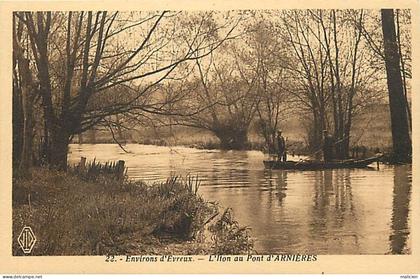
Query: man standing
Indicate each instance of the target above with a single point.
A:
(328, 146)
(281, 147)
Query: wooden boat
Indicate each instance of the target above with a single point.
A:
(320, 165)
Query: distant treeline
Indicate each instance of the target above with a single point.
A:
(372, 130)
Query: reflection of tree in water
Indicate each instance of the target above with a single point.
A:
(281, 186)
(343, 197)
(277, 185)
(281, 231)
(323, 184)
(400, 210)
(332, 214)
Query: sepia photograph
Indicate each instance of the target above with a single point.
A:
(138, 134)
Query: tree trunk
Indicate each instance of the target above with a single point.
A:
(28, 123)
(92, 136)
(410, 121)
(120, 134)
(315, 134)
(232, 139)
(17, 125)
(58, 149)
(399, 122)
(240, 140)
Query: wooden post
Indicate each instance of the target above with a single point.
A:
(82, 164)
(120, 169)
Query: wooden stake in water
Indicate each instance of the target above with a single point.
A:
(120, 169)
(82, 164)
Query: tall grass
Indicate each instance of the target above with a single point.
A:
(94, 170)
(74, 216)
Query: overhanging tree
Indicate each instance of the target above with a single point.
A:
(82, 55)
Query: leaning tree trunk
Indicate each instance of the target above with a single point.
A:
(399, 122)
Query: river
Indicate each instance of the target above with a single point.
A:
(346, 211)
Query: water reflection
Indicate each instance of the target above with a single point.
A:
(277, 186)
(349, 211)
(333, 224)
(400, 210)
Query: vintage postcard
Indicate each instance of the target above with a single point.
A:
(209, 137)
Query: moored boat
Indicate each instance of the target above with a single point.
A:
(320, 165)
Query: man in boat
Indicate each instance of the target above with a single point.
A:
(281, 147)
(328, 146)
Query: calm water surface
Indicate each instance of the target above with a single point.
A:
(349, 211)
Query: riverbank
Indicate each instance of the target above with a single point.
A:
(370, 130)
(74, 216)
(294, 147)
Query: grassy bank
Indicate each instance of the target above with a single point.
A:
(74, 216)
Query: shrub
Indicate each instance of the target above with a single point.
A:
(228, 237)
